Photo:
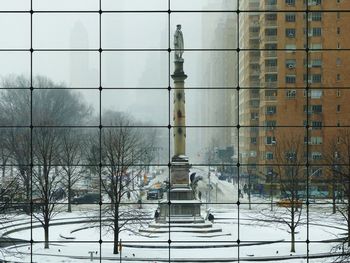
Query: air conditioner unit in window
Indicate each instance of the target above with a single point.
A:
(273, 142)
(290, 35)
(291, 66)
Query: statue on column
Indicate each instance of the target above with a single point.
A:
(178, 43)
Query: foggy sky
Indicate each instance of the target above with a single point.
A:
(127, 69)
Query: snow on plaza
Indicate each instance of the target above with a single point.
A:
(74, 238)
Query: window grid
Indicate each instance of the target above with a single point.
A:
(238, 88)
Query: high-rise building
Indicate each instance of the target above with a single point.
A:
(302, 75)
(219, 69)
(249, 82)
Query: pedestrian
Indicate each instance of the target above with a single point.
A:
(211, 218)
(139, 202)
(156, 215)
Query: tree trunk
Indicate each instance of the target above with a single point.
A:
(116, 230)
(46, 230)
(69, 193)
(292, 245)
(333, 196)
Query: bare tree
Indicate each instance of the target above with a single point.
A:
(15, 111)
(49, 106)
(340, 158)
(289, 173)
(71, 154)
(123, 148)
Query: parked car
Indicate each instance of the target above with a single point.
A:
(154, 194)
(288, 203)
(89, 198)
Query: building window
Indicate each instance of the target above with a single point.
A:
(314, 93)
(315, 46)
(290, 17)
(290, 63)
(271, 62)
(316, 125)
(316, 156)
(270, 110)
(338, 92)
(338, 108)
(290, 47)
(270, 77)
(315, 16)
(313, 109)
(290, 2)
(269, 155)
(271, 32)
(253, 140)
(254, 116)
(270, 140)
(290, 32)
(314, 2)
(316, 63)
(338, 77)
(290, 79)
(291, 94)
(338, 30)
(316, 140)
(316, 78)
(270, 125)
(315, 32)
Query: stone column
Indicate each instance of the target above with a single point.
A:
(179, 110)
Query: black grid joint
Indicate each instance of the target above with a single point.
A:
(169, 126)
(238, 203)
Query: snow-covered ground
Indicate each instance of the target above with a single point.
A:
(247, 234)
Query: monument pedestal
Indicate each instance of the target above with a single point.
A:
(181, 205)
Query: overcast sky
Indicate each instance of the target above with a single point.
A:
(134, 69)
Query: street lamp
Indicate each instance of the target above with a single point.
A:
(270, 173)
